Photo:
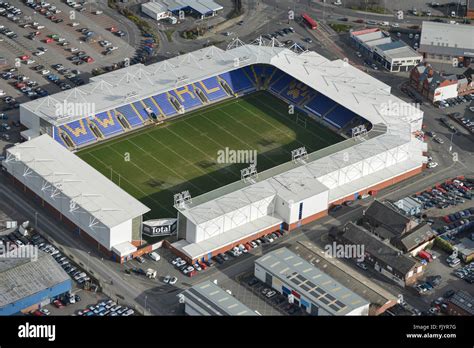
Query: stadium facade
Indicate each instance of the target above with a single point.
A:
(284, 197)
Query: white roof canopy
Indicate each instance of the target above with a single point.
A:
(62, 171)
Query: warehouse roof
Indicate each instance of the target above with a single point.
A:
(457, 37)
(55, 169)
(23, 277)
(155, 6)
(209, 299)
(330, 296)
(201, 6)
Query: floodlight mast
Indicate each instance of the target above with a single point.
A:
(299, 155)
(249, 174)
(359, 131)
(182, 200)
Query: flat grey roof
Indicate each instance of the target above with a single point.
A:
(22, 277)
(442, 35)
(318, 287)
(201, 6)
(209, 299)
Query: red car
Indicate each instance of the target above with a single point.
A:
(38, 313)
(25, 57)
(88, 59)
(192, 273)
(58, 304)
(203, 265)
(113, 29)
(48, 40)
(446, 219)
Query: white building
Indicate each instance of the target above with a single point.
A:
(448, 43)
(156, 10)
(394, 56)
(79, 195)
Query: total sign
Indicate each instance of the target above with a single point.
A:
(160, 227)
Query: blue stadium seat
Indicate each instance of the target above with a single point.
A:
(279, 84)
(320, 105)
(108, 123)
(130, 115)
(274, 75)
(238, 81)
(150, 103)
(79, 131)
(165, 105)
(248, 70)
(58, 137)
(296, 92)
(141, 110)
(339, 117)
(211, 88)
(186, 96)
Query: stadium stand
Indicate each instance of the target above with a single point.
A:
(280, 83)
(165, 104)
(339, 117)
(79, 132)
(58, 138)
(250, 73)
(140, 109)
(186, 96)
(151, 104)
(211, 88)
(297, 92)
(108, 123)
(238, 81)
(131, 116)
(320, 105)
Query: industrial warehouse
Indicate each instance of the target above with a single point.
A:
(209, 299)
(284, 197)
(27, 284)
(315, 291)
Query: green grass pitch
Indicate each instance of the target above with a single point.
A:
(181, 154)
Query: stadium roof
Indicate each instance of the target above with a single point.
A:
(330, 296)
(62, 171)
(209, 299)
(338, 80)
(23, 277)
(456, 39)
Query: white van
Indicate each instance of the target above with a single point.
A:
(154, 256)
(454, 262)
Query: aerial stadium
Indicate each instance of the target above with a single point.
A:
(324, 132)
